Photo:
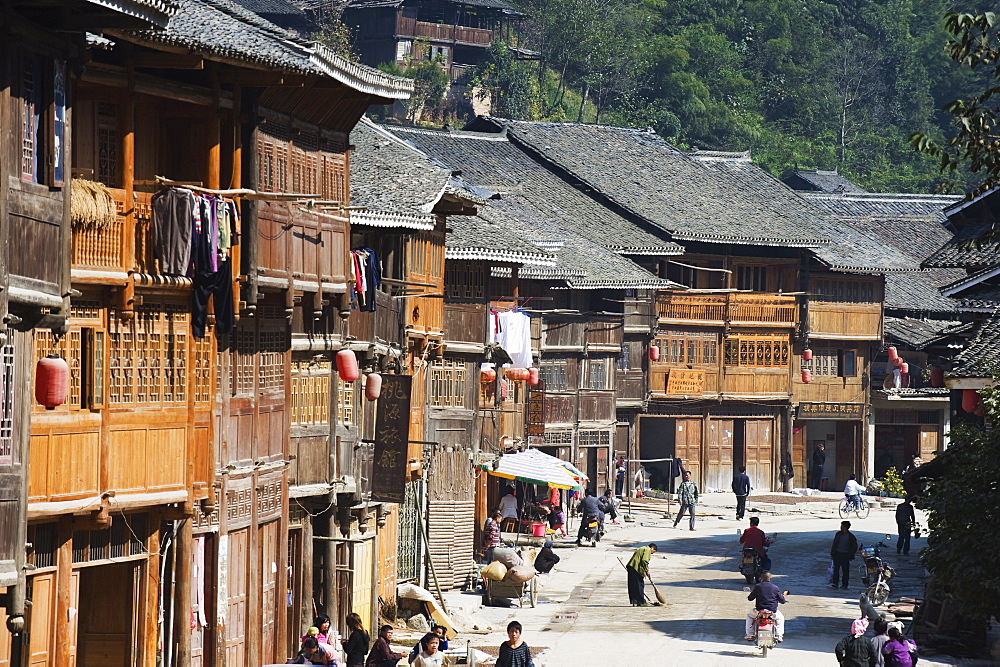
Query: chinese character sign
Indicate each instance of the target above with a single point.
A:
(392, 430)
(685, 382)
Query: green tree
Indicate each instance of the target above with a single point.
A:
(975, 44)
(430, 83)
(509, 84)
(963, 508)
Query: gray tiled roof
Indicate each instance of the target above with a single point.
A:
(542, 210)
(491, 236)
(819, 181)
(919, 291)
(495, 4)
(982, 352)
(918, 333)
(982, 297)
(641, 173)
(963, 252)
(390, 176)
(882, 205)
(492, 162)
(225, 30)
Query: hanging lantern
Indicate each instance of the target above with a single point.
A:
(807, 354)
(807, 375)
(970, 400)
(373, 386)
(654, 352)
(487, 376)
(347, 365)
(897, 361)
(937, 377)
(51, 381)
(517, 374)
(525, 374)
(533, 377)
(904, 368)
(893, 355)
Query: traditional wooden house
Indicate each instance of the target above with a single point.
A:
(455, 32)
(891, 234)
(177, 427)
(41, 47)
(576, 307)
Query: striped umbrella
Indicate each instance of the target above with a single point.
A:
(578, 475)
(533, 467)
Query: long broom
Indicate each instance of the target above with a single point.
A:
(660, 600)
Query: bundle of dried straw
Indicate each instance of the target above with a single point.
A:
(92, 205)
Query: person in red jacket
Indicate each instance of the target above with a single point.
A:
(382, 654)
(755, 537)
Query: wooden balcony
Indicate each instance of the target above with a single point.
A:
(845, 321)
(442, 32)
(768, 310)
(123, 246)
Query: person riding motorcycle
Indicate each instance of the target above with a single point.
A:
(768, 597)
(589, 509)
(755, 538)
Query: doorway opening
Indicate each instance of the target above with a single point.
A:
(107, 615)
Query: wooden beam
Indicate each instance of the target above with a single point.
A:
(149, 593)
(254, 79)
(182, 593)
(169, 60)
(64, 593)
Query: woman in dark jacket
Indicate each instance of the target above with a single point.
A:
(356, 644)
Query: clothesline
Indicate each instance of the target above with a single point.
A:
(241, 193)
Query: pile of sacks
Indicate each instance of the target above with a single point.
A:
(508, 566)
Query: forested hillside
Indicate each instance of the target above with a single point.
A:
(809, 83)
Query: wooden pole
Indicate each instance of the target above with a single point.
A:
(149, 593)
(64, 627)
(183, 540)
(128, 176)
(306, 568)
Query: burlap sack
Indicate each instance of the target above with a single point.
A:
(495, 571)
(519, 574)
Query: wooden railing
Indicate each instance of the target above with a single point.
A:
(108, 249)
(730, 307)
(442, 32)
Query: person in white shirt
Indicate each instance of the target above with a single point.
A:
(853, 490)
(508, 505)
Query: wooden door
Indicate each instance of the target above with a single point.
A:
(201, 598)
(799, 464)
(236, 616)
(106, 615)
(929, 441)
(758, 452)
(687, 447)
(363, 584)
(718, 455)
(43, 626)
(268, 546)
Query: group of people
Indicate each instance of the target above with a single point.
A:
(887, 648)
(318, 646)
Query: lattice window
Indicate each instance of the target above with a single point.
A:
(558, 438)
(448, 383)
(241, 361)
(7, 401)
(85, 310)
(844, 290)
(346, 396)
(553, 373)
(31, 106)
(67, 347)
(465, 281)
(272, 360)
(598, 376)
(202, 369)
(688, 347)
(418, 253)
(594, 438)
(824, 362)
(107, 143)
(334, 176)
(175, 367)
(310, 397)
(757, 350)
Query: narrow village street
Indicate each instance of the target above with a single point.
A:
(583, 616)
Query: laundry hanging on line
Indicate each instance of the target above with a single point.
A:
(511, 329)
(365, 278)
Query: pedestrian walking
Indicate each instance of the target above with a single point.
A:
(818, 464)
(899, 651)
(905, 518)
(637, 570)
(382, 654)
(842, 552)
(687, 493)
(856, 650)
(514, 652)
(356, 644)
(741, 487)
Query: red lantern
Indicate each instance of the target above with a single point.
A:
(347, 366)
(373, 386)
(904, 368)
(533, 377)
(654, 353)
(487, 376)
(897, 361)
(807, 354)
(807, 375)
(937, 377)
(970, 400)
(51, 381)
(893, 355)
(524, 375)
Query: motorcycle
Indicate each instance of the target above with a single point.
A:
(876, 574)
(764, 628)
(751, 565)
(592, 529)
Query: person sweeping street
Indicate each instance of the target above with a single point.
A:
(637, 570)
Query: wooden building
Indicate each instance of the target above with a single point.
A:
(41, 47)
(454, 32)
(159, 493)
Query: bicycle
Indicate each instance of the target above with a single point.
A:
(859, 508)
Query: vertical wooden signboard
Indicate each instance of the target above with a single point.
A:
(392, 431)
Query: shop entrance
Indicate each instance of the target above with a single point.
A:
(106, 615)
